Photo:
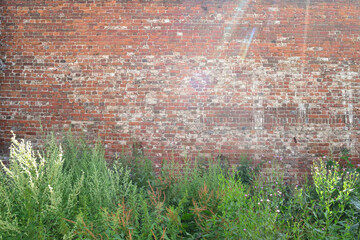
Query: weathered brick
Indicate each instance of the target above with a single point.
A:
(208, 77)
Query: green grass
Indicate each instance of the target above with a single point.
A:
(69, 191)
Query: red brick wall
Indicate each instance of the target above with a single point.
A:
(272, 78)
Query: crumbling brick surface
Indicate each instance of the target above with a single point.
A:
(266, 78)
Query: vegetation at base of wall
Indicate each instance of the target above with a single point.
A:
(69, 191)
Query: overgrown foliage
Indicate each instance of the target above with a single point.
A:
(40, 192)
(70, 192)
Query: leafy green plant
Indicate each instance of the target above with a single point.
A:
(141, 168)
(42, 192)
(246, 172)
(334, 189)
(247, 214)
(103, 185)
(355, 228)
(71, 192)
(322, 208)
(33, 191)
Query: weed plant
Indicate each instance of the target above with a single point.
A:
(43, 192)
(69, 191)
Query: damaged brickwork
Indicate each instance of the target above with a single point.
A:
(263, 77)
